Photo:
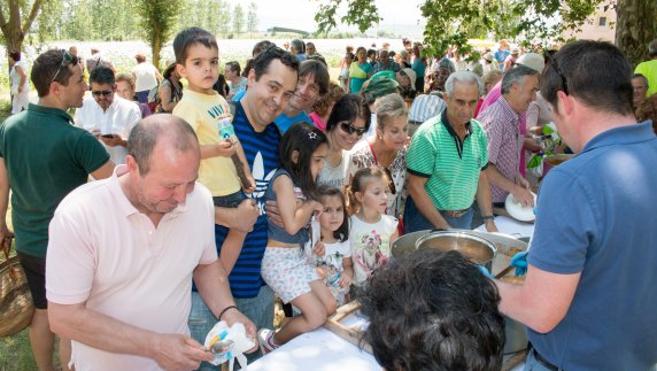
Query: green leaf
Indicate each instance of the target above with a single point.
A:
(547, 130)
(535, 161)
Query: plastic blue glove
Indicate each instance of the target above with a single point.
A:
(519, 260)
(485, 271)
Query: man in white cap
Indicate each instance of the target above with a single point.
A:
(500, 121)
(536, 63)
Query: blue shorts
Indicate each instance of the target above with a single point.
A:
(230, 201)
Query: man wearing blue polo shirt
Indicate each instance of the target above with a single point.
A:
(590, 294)
(446, 163)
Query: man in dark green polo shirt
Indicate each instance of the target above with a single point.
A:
(445, 163)
(43, 157)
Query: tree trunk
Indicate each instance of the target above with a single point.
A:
(12, 29)
(156, 46)
(635, 28)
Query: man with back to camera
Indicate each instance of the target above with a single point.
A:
(590, 287)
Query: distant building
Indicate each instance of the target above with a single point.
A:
(599, 26)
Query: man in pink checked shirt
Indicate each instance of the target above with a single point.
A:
(501, 122)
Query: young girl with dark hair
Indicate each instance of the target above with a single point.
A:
(333, 259)
(284, 267)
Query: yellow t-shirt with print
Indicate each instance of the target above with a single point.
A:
(204, 112)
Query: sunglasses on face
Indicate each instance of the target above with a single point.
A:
(67, 59)
(104, 93)
(348, 128)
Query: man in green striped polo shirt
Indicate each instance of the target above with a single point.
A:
(446, 163)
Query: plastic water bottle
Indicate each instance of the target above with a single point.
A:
(225, 128)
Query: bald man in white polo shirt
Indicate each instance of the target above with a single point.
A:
(122, 254)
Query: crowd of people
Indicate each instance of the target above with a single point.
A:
(211, 200)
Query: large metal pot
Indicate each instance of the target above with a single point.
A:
(515, 332)
(406, 243)
(477, 249)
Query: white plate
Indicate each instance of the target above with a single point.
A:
(517, 211)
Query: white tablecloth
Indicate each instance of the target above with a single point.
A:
(319, 350)
(322, 350)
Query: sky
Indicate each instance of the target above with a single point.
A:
(299, 14)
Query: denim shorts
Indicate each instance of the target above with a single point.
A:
(259, 309)
(230, 201)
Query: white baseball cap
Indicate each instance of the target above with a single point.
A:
(533, 61)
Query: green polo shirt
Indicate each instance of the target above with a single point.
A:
(46, 157)
(452, 166)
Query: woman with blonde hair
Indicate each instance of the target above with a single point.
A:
(387, 149)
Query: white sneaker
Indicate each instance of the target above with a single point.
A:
(266, 341)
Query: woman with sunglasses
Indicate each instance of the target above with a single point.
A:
(387, 149)
(349, 120)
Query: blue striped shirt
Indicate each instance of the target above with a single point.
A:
(261, 150)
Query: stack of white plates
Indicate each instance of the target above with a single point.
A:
(519, 212)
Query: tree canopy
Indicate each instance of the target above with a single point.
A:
(453, 22)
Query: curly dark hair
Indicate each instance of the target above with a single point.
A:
(432, 310)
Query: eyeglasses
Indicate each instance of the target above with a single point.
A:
(104, 93)
(67, 59)
(564, 84)
(348, 128)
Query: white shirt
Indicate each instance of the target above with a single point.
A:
(20, 101)
(370, 245)
(335, 176)
(121, 116)
(426, 106)
(127, 269)
(16, 78)
(145, 76)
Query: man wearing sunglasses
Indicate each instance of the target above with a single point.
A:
(42, 158)
(106, 115)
